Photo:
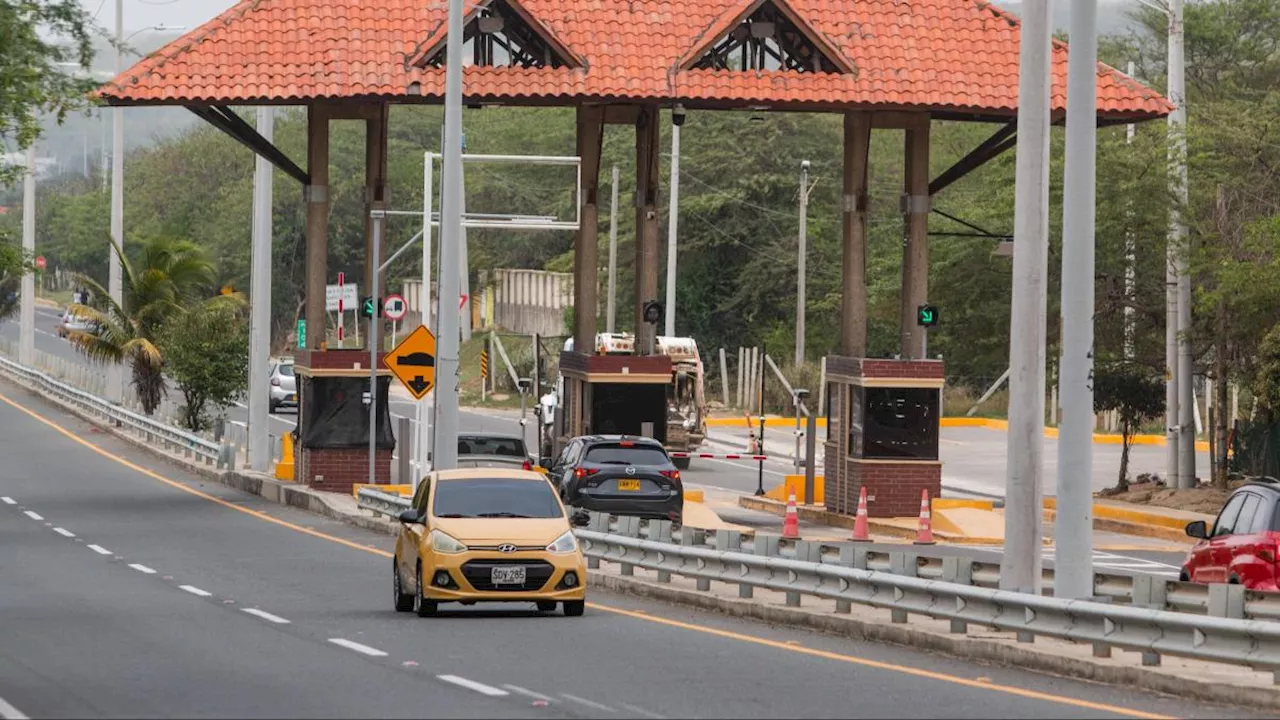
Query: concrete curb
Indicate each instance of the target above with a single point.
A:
(957, 646)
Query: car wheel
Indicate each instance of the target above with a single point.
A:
(1184, 576)
(546, 606)
(403, 600)
(272, 406)
(681, 463)
(574, 608)
(421, 605)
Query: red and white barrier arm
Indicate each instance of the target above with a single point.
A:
(712, 456)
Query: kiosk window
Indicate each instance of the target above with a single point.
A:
(898, 423)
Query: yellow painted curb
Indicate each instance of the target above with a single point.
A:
(694, 496)
(396, 489)
(795, 484)
(948, 503)
(1052, 432)
(284, 468)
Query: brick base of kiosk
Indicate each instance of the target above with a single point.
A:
(882, 433)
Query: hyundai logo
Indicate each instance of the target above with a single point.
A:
(631, 470)
(507, 548)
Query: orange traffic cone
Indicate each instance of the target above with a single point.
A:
(791, 524)
(861, 533)
(924, 535)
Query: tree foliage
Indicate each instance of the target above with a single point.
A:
(206, 354)
(1136, 393)
(36, 38)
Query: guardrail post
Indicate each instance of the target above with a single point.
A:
(1152, 593)
(1226, 601)
(806, 551)
(599, 522)
(765, 546)
(660, 531)
(628, 526)
(958, 570)
(692, 537)
(901, 563)
(855, 557)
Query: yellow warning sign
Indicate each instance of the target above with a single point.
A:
(414, 362)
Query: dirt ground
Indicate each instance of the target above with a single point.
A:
(1208, 500)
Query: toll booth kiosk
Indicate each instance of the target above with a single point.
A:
(883, 426)
(612, 394)
(331, 446)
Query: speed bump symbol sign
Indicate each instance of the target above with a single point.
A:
(413, 362)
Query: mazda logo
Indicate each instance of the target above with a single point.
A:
(507, 548)
(631, 471)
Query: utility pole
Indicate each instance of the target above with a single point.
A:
(27, 299)
(677, 119)
(115, 282)
(1130, 263)
(260, 303)
(1186, 447)
(611, 315)
(1073, 529)
(802, 255)
(445, 454)
(1020, 566)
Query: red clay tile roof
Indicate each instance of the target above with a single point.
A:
(956, 57)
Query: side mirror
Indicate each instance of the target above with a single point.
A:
(581, 518)
(1197, 529)
(410, 517)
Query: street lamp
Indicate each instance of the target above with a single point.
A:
(1179, 394)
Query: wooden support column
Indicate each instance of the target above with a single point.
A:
(853, 310)
(317, 198)
(590, 134)
(646, 224)
(375, 190)
(915, 248)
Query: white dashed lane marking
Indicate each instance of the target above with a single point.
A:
(32, 515)
(9, 712)
(9, 501)
(99, 549)
(266, 616)
(143, 569)
(529, 693)
(64, 532)
(364, 649)
(640, 711)
(473, 685)
(588, 703)
(195, 590)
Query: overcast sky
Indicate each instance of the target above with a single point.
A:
(139, 14)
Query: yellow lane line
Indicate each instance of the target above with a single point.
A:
(184, 488)
(942, 677)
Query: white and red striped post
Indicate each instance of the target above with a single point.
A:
(341, 281)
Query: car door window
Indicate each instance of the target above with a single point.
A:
(420, 497)
(1244, 523)
(1226, 522)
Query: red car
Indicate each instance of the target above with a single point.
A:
(1244, 543)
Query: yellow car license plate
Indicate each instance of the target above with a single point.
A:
(628, 484)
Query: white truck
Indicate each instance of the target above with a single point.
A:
(686, 401)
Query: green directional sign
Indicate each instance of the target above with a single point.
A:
(370, 307)
(302, 333)
(926, 316)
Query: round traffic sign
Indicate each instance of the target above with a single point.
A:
(40, 262)
(394, 307)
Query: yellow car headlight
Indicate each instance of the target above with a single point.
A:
(442, 543)
(564, 544)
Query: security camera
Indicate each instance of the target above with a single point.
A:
(804, 165)
(677, 115)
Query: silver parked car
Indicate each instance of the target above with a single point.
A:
(284, 385)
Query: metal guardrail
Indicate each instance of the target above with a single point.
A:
(156, 433)
(1220, 623)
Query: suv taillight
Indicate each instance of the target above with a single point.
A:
(275, 382)
(584, 472)
(1267, 553)
(527, 465)
(673, 475)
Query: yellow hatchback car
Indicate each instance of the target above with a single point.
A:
(488, 535)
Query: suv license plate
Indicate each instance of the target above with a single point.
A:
(507, 575)
(631, 484)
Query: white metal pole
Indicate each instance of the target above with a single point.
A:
(801, 256)
(1130, 262)
(672, 218)
(446, 451)
(260, 303)
(1171, 374)
(376, 263)
(423, 446)
(611, 315)
(115, 287)
(464, 267)
(1020, 566)
(27, 313)
(1178, 124)
(1073, 529)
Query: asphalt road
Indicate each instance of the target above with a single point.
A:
(132, 589)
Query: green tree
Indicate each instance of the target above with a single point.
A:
(1136, 393)
(168, 277)
(14, 263)
(36, 38)
(206, 354)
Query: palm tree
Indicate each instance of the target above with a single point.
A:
(169, 276)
